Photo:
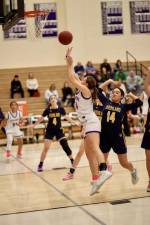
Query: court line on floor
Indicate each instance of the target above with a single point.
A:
(66, 207)
(63, 194)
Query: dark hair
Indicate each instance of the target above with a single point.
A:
(12, 102)
(91, 81)
(16, 76)
(121, 91)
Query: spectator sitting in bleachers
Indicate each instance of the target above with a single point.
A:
(104, 75)
(120, 75)
(118, 66)
(51, 91)
(16, 87)
(90, 69)
(79, 68)
(107, 66)
(134, 83)
(32, 86)
(68, 96)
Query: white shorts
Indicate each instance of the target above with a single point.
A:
(144, 110)
(91, 123)
(15, 132)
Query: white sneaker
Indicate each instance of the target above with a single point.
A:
(105, 175)
(134, 177)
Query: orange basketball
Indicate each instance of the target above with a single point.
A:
(65, 37)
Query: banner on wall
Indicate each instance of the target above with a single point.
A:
(18, 31)
(112, 19)
(46, 24)
(140, 16)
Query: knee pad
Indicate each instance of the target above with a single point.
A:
(65, 146)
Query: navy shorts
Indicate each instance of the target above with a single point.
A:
(146, 140)
(117, 143)
(58, 133)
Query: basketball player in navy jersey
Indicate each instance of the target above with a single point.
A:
(146, 138)
(111, 133)
(54, 129)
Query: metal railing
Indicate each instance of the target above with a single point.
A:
(139, 67)
(128, 54)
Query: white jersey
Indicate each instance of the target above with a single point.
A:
(86, 115)
(145, 104)
(84, 106)
(13, 120)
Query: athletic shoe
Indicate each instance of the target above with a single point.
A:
(40, 168)
(148, 187)
(19, 156)
(109, 167)
(68, 176)
(134, 177)
(104, 175)
(8, 154)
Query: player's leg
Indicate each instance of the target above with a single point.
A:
(47, 143)
(9, 144)
(20, 145)
(96, 161)
(147, 153)
(60, 136)
(123, 160)
(76, 161)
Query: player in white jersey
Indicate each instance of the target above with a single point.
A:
(145, 106)
(84, 106)
(14, 120)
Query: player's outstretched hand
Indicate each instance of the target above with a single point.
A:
(69, 59)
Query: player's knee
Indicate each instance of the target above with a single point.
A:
(65, 146)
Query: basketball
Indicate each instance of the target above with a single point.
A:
(65, 37)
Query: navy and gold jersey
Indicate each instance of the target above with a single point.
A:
(98, 109)
(54, 117)
(113, 113)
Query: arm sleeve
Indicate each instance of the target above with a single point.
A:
(45, 113)
(102, 97)
(62, 111)
(136, 104)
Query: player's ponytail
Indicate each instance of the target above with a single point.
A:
(92, 86)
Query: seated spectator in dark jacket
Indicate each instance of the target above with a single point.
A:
(68, 96)
(104, 75)
(79, 68)
(107, 66)
(118, 66)
(16, 87)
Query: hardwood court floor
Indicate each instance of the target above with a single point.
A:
(24, 190)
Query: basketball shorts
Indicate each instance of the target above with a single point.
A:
(15, 132)
(146, 139)
(91, 123)
(58, 133)
(117, 143)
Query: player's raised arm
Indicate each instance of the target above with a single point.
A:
(71, 75)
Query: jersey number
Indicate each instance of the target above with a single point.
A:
(111, 116)
(54, 121)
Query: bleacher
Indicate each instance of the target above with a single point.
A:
(36, 105)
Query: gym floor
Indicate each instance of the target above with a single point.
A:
(28, 197)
